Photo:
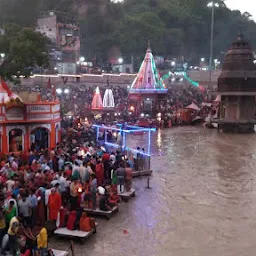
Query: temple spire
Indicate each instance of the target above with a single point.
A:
(148, 77)
(149, 46)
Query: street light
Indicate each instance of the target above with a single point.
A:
(212, 5)
(82, 59)
(59, 91)
(120, 60)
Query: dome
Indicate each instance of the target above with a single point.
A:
(238, 70)
(239, 59)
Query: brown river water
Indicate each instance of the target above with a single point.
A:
(202, 201)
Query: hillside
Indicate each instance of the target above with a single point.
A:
(175, 27)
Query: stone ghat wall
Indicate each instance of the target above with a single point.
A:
(123, 80)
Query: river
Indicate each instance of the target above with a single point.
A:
(202, 201)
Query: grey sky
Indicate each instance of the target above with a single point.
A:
(243, 6)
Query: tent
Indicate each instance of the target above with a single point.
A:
(193, 106)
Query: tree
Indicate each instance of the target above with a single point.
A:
(176, 28)
(24, 50)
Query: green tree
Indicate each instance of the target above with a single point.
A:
(24, 50)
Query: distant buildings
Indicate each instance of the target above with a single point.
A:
(64, 34)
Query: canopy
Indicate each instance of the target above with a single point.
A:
(193, 106)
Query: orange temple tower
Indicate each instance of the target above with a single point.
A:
(26, 122)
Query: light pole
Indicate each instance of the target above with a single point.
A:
(212, 5)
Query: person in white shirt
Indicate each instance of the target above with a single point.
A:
(112, 157)
(46, 195)
(10, 184)
(82, 172)
(63, 183)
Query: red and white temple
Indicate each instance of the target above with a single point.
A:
(97, 104)
(26, 122)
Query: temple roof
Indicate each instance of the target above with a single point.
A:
(97, 100)
(238, 62)
(148, 78)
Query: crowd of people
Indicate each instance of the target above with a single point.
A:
(78, 99)
(46, 189)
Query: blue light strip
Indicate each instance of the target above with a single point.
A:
(124, 140)
(149, 142)
(138, 127)
(98, 133)
(110, 128)
(112, 144)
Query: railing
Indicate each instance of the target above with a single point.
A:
(140, 160)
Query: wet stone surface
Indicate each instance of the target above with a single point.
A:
(202, 201)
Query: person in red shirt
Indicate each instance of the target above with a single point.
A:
(54, 204)
(113, 199)
(99, 171)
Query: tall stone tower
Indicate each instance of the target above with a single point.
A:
(237, 88)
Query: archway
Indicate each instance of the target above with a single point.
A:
(16, 140)
(39, 139)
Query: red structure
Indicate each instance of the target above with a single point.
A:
(97, 100)
(26, 122)
(148, 91)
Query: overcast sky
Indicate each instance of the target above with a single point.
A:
(243, 6)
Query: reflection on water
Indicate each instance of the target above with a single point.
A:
(159, 140)
(202, 201)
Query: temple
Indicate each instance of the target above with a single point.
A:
(97, 100)
(108, 100)
(148, 90)
(237, 89)
(27, 123)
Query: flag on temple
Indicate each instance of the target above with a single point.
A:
(6, 88)
(49, 85)
(97, 100)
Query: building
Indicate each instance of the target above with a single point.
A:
(64, 33)
(26, 122)
(123, 68)
(237, 88)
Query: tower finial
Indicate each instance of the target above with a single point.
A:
(240, 35)
(149, 44)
